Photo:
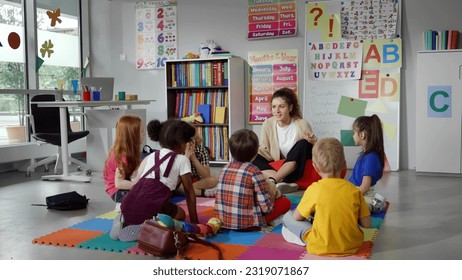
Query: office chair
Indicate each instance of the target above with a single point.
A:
(45, 128)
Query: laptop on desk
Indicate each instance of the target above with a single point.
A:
(105, 83)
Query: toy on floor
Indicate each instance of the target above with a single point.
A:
(194, 118)
(211, 228)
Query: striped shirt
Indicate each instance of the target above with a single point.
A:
(242, 196)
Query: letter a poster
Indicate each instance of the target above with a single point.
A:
(270, 71)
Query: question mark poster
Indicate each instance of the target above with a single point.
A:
(156, 33)
(271, 19)
(323, 21)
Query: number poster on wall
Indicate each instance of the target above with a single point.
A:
(156, 33)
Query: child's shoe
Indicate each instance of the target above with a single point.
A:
(291, 237)
(117, 225)
(212, 192)
(378, 203)
(287, 187)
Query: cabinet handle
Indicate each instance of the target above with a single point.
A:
(460, 72)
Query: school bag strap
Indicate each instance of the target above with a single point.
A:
(158, 162)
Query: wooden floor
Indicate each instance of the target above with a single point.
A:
(424, 221)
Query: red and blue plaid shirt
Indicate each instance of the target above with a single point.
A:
(242, 196)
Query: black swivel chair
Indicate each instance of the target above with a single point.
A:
(45, 127)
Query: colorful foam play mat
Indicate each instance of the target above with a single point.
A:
(267, 244)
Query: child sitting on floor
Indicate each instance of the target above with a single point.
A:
(203, 182)
(326, 219)
(244, 200)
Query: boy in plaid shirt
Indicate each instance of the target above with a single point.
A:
(244, 199)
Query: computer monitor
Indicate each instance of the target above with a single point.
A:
(106, 84)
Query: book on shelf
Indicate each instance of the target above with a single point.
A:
(220, 115)
(205, 109)
(441, 39)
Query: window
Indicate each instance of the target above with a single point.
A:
(56, 57)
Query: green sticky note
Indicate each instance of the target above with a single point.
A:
(38, 63)
(351, 107)
(346, 137)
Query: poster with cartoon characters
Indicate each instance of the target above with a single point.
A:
(156, 33)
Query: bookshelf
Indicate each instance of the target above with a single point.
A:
(218, 82)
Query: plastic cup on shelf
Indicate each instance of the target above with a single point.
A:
(121, 95)
(96, 95)
(86, 96)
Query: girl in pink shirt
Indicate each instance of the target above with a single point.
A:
(124, 157)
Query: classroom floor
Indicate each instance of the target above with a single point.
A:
(423, 221)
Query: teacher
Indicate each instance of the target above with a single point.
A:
(285, 135)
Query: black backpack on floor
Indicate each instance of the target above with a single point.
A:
(65, 201)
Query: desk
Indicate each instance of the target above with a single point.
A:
(63, 105)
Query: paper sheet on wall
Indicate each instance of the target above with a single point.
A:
(156, 33)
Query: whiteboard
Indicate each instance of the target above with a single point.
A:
(331, 106)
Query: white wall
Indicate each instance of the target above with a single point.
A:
(113, 33)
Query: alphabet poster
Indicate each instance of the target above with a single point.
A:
(333, 101)
(156, 34)
(269, 71)
(335, 60)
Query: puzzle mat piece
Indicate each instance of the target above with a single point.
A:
(203, 212)
(203, 252)
(264, 253)
(67, 237)
(109, 215)
(275, 240)
(248, 238)
(95, 224)
(370, 234)
(362, 254)
(105, 243)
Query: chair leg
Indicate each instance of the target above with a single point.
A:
(45, 161)
(83, 165)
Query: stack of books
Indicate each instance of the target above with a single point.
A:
(220, 53)
(441, 40)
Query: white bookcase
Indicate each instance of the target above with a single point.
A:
(215, 81)
(438, 112)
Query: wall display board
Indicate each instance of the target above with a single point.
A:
(272, 19)
(269, 71)
(338, 90)
(156, 33)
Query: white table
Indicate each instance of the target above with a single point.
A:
(63, 105)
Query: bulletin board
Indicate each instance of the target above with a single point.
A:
(352, 68)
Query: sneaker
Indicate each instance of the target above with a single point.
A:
(212, 192)
(277, 221)
(130, 233)
(287, 187)
(378, 203)
(117, 225)
(291, 237)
